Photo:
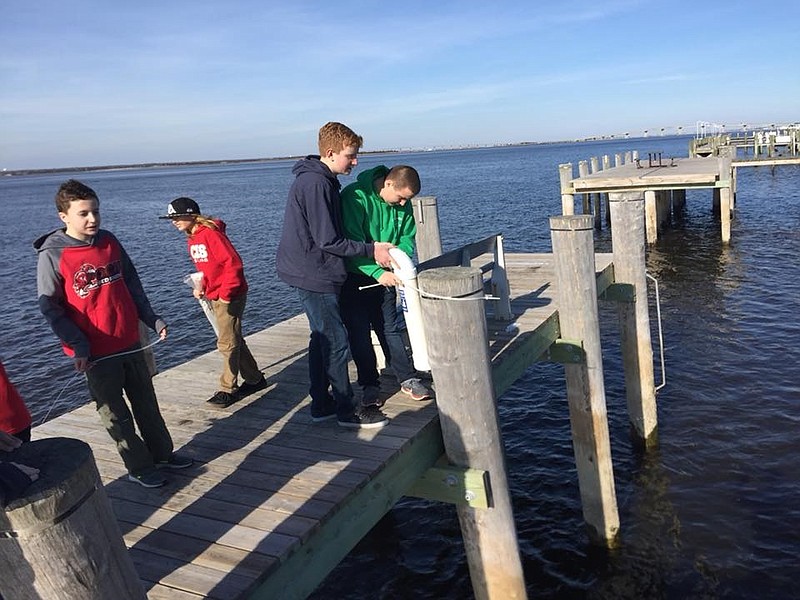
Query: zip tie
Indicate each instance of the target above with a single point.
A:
(74, 375)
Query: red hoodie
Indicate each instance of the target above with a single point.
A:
(14, 415)
(214, 255)
(90, 293)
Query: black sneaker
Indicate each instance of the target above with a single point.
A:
(369, 417)
(371, 396)
(251, 388)
(325, 416)
(176, 461)
(148, 479)
(326, 413)
(222, 399)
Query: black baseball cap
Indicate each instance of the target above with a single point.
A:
(181, 207)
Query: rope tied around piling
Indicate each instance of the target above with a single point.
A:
(425, 294)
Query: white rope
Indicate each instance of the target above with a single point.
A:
(55, 402)
(75, 375)
(430, 295)
(455, 299)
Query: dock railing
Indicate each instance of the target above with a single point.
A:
(496, 284)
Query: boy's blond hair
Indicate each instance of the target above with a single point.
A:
(72, 190)
(336, 136)
(206, 220)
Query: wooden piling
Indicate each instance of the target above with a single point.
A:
(606, 166)
(573, 254)
(725, 213)
(651, 217)
(470, 429)
(628, 247)
(567, 199)
(662, 208)
(596, 202)
(678, 200)
(62, 540)
(725, 198)
(583, 171)
(426, 217)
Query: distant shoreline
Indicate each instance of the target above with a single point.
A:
(239, 161)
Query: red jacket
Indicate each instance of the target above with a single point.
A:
(14, 415)
(214, 255)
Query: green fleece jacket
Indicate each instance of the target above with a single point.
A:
(367, 218)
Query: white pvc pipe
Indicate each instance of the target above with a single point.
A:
(412, 311)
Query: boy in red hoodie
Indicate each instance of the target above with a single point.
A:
(91, 295)
(225, 287)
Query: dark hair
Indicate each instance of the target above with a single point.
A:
(72, 190)
(404, 176)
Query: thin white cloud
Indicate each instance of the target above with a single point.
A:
(661, 79)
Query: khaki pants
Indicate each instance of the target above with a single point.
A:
(236, 356)
(107, 379)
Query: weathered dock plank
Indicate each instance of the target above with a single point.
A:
(270, 489)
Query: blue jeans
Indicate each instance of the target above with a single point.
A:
(374, 308)
(328, 354)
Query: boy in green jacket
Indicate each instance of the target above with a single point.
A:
(376, 208)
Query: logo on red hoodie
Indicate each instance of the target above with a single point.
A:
(89, 277)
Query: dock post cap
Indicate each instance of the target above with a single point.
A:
(571, 222)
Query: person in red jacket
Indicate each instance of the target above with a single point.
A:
(92, 297)
(14, 416)
(225, 286)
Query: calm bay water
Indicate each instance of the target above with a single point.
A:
(712, 513)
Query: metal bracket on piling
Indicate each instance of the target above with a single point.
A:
(619, 292)
(566, 352)
(455, 485)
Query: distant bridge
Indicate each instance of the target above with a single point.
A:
(700, 129)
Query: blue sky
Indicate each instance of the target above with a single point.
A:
(82, 83)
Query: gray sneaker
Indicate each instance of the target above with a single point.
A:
(415, 388)
(369, 417)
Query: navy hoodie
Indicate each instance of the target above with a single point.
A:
(312, 249)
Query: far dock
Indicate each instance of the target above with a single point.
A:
(662, 181)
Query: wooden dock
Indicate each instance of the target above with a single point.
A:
(274, 502)
(662, 181)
